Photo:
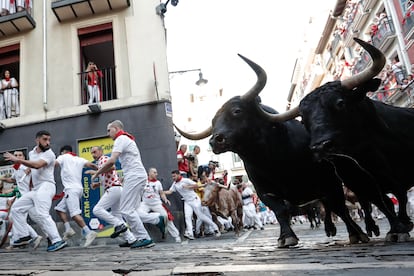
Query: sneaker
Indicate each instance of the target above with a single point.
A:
(177, 239)
(36, 242)
(68, 234)
(119, 230)
(161, 225)
(22, 241)
(126, 244)
(56, 246)
(188, 236)
(217, 233)
(143, 244)
(90, 237)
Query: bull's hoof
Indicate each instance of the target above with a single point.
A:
(354, 239)
(287, 242)
(373, 229)
(403, 237)
(391, 237)
(397, 237)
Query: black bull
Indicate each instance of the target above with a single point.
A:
(368, 141)
(278, 160)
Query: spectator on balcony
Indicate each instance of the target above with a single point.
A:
(22, 5)
(10, 94)
(93, 78)
(397, 70)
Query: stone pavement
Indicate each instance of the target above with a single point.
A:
(254, 251)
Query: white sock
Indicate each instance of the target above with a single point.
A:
(67, 226)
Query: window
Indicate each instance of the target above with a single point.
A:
(237, 162)
(10, 98)
(96, 46)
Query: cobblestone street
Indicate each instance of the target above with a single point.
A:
(253, 251)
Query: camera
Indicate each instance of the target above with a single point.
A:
(161, 9)
(190, 157)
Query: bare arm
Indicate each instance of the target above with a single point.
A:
(28, 163)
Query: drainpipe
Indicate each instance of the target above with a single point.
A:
(390, 8)
(44, 57)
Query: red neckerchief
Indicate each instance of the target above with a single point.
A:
(121, 132)
(152, 180)
(71, 153)
(179, 179)
(16, 166)
(7, 79)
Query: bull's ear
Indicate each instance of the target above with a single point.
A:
(370, 86)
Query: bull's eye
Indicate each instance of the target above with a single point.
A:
(236, 111)
(340, 104)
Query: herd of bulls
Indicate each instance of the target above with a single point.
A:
(343, 138)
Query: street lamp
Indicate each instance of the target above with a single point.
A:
(200, 82)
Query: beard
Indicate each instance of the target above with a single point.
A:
(44, 148)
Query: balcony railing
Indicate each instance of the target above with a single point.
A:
(107, 85)
(385, 31)
(394, 95)
(16, 20)
(362, 63)
(71, 9)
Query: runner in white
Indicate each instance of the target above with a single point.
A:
(110, 199)
(42, 162)
(71, 167)
(192, 203)
(21, 176)
(151, 209)
(135, 178)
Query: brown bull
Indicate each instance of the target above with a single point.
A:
(224, 203)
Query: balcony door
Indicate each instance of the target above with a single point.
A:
(96, 45)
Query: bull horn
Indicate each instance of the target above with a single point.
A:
(282, 117)
(378, 62)
(195, 136)
(260, 83)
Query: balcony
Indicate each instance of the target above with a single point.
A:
(107, 85)
(65, 10)
(408, 26)
(16, 23)
(385, 35)
(362, 63)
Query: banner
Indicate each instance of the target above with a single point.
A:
(91, 197)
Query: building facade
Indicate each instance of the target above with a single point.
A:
(388, 25)
(47, 46)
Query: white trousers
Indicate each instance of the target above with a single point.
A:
(11, 102)
(40, 202)
(70, 202)
(199, 222)
(151, 214)
(32, 232)
(194, 206)
(94, 94)
(110, 200)
(250, 214)
(130, 200)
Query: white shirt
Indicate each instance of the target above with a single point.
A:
(130, 157)
(151, 194)
(22, 180)
(247, 192)
(44, 174)
(71, 170)
(187, 194)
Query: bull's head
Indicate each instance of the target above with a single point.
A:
(330, 109)
(238, 116)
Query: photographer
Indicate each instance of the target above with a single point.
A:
(93, 75)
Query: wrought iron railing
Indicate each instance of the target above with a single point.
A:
(106, 83)
(385, 30)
